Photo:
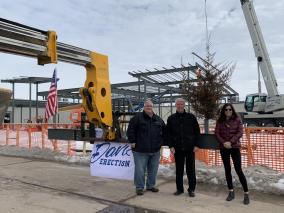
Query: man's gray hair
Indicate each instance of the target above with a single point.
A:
(179, 100)
(148, 101)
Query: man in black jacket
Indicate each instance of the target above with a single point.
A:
(182, 137)
(145, 133)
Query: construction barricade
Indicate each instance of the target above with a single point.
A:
(259, 145)
(34, 135)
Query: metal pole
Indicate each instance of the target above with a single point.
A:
(139, 88)
(159, 101)
(188, 106)
(21, 114)
(171, 102)
(36, 101)
(30, 104)
(145, 90)
(13, 103)
(123, 104)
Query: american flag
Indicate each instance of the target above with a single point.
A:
(51, 106)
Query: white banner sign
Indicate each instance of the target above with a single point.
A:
(112, 160)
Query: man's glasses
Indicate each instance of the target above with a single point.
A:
(229, 109)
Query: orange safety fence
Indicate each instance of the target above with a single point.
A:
(260, 145)
(34, 135)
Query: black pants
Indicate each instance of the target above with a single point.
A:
(236, 157)
(189, 158)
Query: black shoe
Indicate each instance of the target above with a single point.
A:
(191, 194)
(178, 193)
(231, 196)
(139, 191)
(153, 189)
(246, 199)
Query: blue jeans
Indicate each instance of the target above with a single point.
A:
(143, 161)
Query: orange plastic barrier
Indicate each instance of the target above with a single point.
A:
(260, 145)
(34, 135)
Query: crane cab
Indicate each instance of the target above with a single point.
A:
(256, 102)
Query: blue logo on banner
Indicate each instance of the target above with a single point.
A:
(104, 151)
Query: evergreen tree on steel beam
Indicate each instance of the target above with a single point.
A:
(205, 92)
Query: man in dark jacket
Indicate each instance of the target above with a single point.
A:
(145, 133)
(182, 137)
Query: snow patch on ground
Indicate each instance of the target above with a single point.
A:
(259, 178)
(45, 154)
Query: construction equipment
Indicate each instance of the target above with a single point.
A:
(23, 40)
(267, 107)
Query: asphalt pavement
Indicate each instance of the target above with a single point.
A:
(32, 186)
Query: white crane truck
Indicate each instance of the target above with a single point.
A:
(263, 109)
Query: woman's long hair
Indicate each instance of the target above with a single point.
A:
(222, 116)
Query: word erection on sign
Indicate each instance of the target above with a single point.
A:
(112, 160)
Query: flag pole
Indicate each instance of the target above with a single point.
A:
(51, 107)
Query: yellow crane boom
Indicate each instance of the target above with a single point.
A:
(23, 40)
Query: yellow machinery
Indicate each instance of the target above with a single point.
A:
(23, 40)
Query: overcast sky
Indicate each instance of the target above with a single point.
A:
(146, 34)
